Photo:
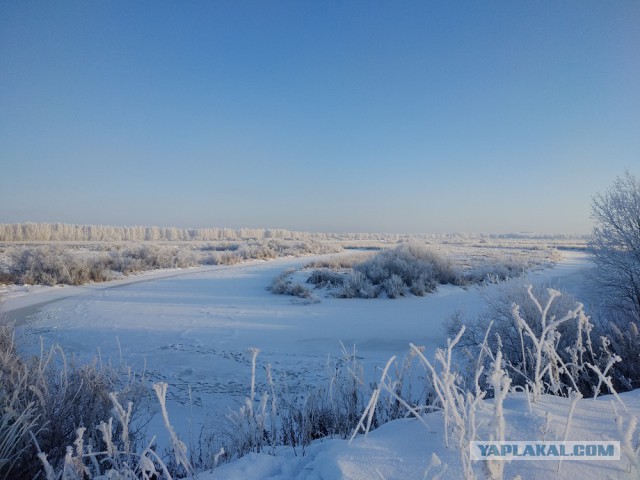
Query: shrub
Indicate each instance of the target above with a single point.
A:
(59, 264)
(265, 250)
(281, 416)
(422, 285)
(622, 339)
(495, 271)
(615, 245)
(410, 263)
(149, 257)
(283, 285)
(524, 335)
(341, 262)
(324, 277)
(393, 286)
(53, 265)
(51, 398)
(410, 266)
(615, 278)
(116, 457)
(357, 285)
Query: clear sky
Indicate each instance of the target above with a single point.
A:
(397, 116)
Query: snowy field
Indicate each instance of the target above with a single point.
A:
(192, 329)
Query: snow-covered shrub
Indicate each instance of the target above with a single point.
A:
(500, 383)
(224, 258)
(138, 258)
(54, 265)
(495, 271)
(57, 264)
(277, 413)
(330, 408)
(622, 339)
(283, 285)
(18, 413)
(357, 285)
(393, 286)
(53, 398)
(533, 337)
(420, 269)
(324, 277)
(615, 246)
(545, 341)
(220, 247)
(408, 262)
(615, 278)
(407, 384)
(346, 395)
(115, 456)
(422, 285)
(341, 262)
(410, 267)
(457, 404)
(266, 249)
(76, 265)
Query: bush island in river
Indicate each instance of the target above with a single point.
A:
(410, 268)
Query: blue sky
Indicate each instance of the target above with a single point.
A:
(417, 116)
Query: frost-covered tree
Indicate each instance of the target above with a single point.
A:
(615, 245)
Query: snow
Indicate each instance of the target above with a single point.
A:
(192, 328)
(402, 449)
(181, 323)
(15, 297)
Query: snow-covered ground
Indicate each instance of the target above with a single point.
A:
(403, 449)
(192, 328)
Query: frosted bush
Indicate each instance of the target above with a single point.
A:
(357, 285)
(54, 265)
(394, 286)
(45, 399)
(521, 336)
(59, 265)
(278, 413)
(76, 265)
(148, 257)
(341, 262)
(114, 457)
(500, 384)
(283, 285)
(409, 267)
(615, 246)
(422, 285)
(622, 339)
(495, 271)
(458, 405)
(324, 277)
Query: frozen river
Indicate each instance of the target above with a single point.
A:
(192, 328)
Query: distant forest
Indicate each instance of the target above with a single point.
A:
(64, 232)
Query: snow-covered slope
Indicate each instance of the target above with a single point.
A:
(403, 449)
